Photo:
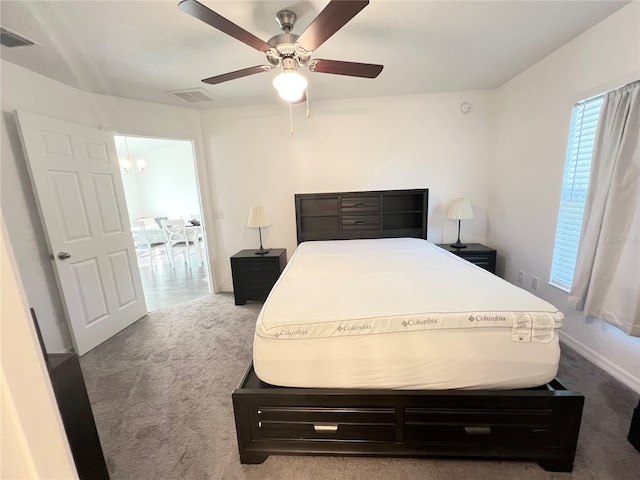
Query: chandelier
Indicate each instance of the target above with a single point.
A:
(128, 166)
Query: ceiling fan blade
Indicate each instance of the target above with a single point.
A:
(334, 16)
(352, 69)
(205, 14)
(245, 72)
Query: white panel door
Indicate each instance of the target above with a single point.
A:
(76, 180)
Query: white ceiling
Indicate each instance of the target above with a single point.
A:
(142, 146)
(142, 49)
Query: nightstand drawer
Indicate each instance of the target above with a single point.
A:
(476, 253)
(249, 291)
(246, 282)
(483, 260)
(256, 268)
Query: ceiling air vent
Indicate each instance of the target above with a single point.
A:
(193, 95)
(12, 39)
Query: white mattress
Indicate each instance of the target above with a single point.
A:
(404, 314)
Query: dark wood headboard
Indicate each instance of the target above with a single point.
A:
(351, 215)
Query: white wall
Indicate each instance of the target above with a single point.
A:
(168, 186)
(25, 90)
(171, 188)
(365, 144)
(533, 112)
(135, 199)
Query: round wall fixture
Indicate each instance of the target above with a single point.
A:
(465, 107)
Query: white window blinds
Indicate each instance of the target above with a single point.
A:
(584, 120)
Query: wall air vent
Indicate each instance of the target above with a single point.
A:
(193, 95)
(12, 39)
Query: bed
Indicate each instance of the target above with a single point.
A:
(442, 374)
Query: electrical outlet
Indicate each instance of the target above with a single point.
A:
(521, 276)
(217, 214)
(534, 283)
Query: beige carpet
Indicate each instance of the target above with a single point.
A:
(161, 396)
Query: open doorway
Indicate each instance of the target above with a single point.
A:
(160, 183)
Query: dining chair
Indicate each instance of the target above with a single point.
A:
(178, 240)
(159, 220)
(144, 244)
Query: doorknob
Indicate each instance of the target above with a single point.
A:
(63, 255)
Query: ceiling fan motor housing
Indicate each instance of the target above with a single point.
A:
(285, 46)
(286, 20)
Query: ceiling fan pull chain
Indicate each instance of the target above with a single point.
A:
(308, 109)
(291, 117)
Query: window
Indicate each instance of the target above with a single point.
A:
(584, 120)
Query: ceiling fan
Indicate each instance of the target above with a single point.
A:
(288, 51)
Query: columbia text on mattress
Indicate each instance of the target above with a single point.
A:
(401, 313)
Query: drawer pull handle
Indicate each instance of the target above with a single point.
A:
(325, 428)
(360, 204)
(477, 430)
(360, 222)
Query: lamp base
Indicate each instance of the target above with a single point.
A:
(458, 243)
(261, 250)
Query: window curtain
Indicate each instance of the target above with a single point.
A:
(606, 283)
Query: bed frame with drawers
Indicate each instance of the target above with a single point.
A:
(538, 424)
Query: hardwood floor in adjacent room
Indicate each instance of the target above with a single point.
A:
(165, 286)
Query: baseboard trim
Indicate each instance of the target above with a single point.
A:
(594, 357)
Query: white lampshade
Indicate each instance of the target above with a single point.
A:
(290, 85)
(258, 217)
(460, 209)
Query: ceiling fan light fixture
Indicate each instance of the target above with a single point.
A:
(290, 85)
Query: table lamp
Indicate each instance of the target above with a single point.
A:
(460, 209)
(259, 218)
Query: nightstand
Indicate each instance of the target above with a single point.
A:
(476, 253)
(254, 275)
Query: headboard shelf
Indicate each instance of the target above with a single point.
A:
(369, 214)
